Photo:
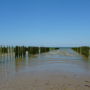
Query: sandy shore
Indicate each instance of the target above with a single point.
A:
(47, 81)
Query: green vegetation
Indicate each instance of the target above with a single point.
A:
(3, 49)
(20, 51)
(82, 50)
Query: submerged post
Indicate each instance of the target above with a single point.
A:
(39, 50)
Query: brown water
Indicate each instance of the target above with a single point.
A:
(61, 69)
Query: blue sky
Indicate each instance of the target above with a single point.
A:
(45, 22)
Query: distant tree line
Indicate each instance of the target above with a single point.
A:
(21, 50)
(3, 49)
(82, 50)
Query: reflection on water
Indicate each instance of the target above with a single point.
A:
(53, 60)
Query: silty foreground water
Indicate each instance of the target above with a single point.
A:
(62, 69)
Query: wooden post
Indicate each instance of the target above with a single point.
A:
(39, 50)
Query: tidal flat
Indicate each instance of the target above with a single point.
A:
(62, 69)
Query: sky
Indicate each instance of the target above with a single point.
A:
(45, 22)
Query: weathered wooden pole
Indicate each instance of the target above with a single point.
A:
(39, 50)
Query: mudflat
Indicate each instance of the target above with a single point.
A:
(61, 69)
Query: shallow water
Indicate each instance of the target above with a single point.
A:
(56, 63)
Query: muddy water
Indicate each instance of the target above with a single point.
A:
(61, 69)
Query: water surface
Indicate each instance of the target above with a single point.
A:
(57, 63)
